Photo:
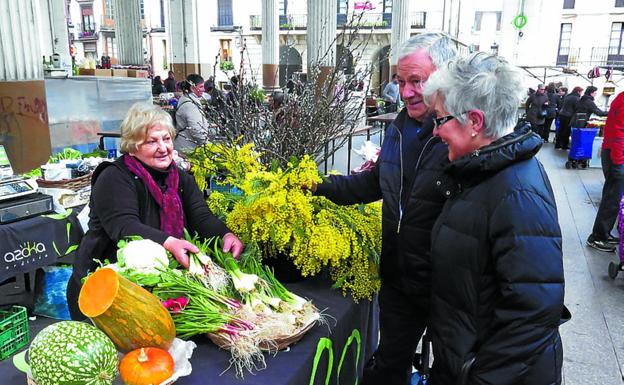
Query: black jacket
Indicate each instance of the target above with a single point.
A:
(552, 104)
(405, 251)
(568, 107)
(588, 106)
(121, 206)
(534, 105)
(497, 270)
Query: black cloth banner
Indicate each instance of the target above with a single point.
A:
(37, 242)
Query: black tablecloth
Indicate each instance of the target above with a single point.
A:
(293, 366)
(36, 242)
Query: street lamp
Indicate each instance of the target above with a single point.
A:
(494, 48)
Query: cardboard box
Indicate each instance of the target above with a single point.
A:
(95, 72)
(137, 74)
(120, 72)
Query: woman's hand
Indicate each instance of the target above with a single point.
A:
(179, 249)
(232, 244)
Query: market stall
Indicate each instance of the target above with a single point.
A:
(349, 341)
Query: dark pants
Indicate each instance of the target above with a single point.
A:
(611, 195)
(390, 107)
(563, 136)
(546, 129)
(402, 323)
(538, 129)
(73, 290)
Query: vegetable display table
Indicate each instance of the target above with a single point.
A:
(337, 352)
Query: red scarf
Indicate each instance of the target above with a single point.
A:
(171, 213)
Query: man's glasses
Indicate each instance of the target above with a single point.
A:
(437, 122)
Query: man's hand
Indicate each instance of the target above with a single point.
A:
(180, 248)
(311, 188)
(232, 244)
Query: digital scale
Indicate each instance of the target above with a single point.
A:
(12, 186)
(19, 198)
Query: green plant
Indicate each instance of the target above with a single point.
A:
(274, 213)
(226, 65)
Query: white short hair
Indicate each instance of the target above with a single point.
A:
(483, 82)
(439, 46)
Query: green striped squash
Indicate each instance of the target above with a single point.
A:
(72, 353)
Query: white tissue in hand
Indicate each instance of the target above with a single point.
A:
(368, 150)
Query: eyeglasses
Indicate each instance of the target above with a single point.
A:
(437, 122)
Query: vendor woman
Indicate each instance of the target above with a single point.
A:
(144, 193)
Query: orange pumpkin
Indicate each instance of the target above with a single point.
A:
(131, 316)
(146, 366)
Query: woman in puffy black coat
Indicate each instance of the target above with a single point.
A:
(587, 105)
(497, 270)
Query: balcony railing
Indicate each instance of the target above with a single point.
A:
(356, 20)
(365, 20)
(107, 23)
(607, 56)
(86, 31)
(568, 56)
(286, 22)
(418, 19)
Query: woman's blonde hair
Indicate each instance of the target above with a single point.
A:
(140, 118)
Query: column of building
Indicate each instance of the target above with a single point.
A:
(270, 44)
(400, 30)
(20, 52)
(183, 38)
(128, 32)
(321, 37)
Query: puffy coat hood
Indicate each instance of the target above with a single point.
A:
(487, 161)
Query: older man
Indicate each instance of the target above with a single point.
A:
(404, 176)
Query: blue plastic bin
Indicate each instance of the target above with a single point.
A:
(582, 143)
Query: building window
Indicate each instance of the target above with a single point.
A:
(162, 13)
(109, 9)
(619, 3)
(87, 18)
(615, 40)
(164, 50)
(142, 5)
(110, 46)
(568, 4)
(225, 13)
(564, 44)
(283, 7)
(342, 7)
(479, 16)
(387, 6)
(226, 53)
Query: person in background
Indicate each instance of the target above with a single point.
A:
(404, 178)
(391, 95)
(566, 112)
(587, 105)
(561, 94)
(143, 193)
(536, 110)
(612, 158)
(192, 126)
(170, 82)
(497, 264)
(551, 109)
(158, 86)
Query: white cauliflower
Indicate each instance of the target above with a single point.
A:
(145, 256)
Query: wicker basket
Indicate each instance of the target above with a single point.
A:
(277, 344)
(74, 184)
